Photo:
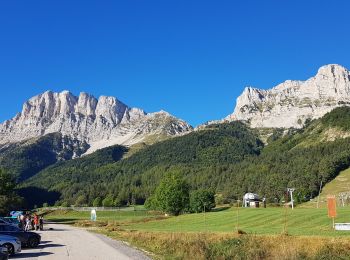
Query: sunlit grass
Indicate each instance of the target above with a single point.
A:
(268, 221)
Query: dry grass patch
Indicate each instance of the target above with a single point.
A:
(232, 246)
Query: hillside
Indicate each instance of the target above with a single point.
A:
(134, 178)
(339, 186)
(229, 158)
(25, 159)
(37, 195)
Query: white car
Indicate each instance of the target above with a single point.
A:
(12, 244)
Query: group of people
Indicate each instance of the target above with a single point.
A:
(31, 222)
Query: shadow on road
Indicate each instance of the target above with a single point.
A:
(24, 255)
(45, 242)
(49, 245)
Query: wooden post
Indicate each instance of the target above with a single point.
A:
(237, 215)
(205, 220)
(319, 193)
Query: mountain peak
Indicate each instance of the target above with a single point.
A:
(104, 120)
(334, 69)
(292, 102)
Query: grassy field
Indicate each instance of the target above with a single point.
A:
(272, 233)
(270, 221)
(71, 216)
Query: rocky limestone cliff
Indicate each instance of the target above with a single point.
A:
(291, 103)
(100, 123)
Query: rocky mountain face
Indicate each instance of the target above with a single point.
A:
(98, 122)
(291, 103)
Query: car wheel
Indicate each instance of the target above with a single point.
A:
(10, 248)
(33, 242)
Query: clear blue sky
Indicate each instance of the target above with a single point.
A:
(190, 58)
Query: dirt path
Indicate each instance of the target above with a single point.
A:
(67, 242)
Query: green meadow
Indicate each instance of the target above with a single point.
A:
(268, 221)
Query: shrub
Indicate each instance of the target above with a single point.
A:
(202, 200)
(97, 202)
(108, 201)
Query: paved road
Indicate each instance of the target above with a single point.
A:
(67, 242)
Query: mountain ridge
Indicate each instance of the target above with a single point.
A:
(292, 102)
(100, 122)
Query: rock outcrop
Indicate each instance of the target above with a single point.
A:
(291, 103)
(100, 123)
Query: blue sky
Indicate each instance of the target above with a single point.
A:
(190, 58)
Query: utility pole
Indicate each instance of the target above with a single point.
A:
(291, 190)
(319, 193)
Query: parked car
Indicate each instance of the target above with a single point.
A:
(10, 220)
(3, 253)
(28, 239)
(12, 244)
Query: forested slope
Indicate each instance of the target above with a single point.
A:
(229, 158)
(25, 159)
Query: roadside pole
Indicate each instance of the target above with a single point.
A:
(285, 224)
(205, 220)
(237, 218)
(319, 193)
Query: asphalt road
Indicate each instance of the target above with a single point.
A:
(67, 242)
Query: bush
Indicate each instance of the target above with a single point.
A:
(97, 202)
(108, 201)
(118, 202)
(80, 201)
(202, 200)
(64, 204)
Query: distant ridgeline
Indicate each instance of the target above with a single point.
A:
(229, 158)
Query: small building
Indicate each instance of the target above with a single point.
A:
(251, 200)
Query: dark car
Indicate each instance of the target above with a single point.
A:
(3, 253)
(10, 220)
(28, 239)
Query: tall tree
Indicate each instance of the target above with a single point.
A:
(172, 194)
(8, 198)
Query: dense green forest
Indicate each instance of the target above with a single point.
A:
(228, 158)
(27, 158)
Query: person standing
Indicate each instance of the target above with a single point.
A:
(36, 222)
(28, 224)
(22, 220)
(41, 223)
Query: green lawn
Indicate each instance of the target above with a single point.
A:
(300, 221)
(119, 216)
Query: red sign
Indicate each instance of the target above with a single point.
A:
(331, 204)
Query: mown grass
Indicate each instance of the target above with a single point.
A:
(269, 221)
(300, 221)
(272, 233)
(71, 216)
